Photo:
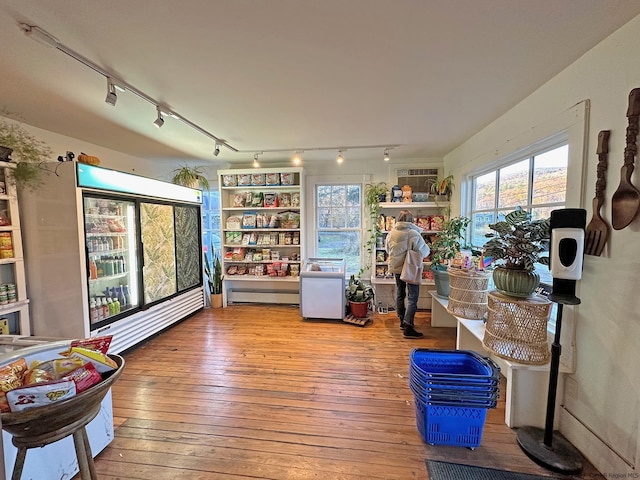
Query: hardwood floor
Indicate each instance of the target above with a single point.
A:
(256, 392)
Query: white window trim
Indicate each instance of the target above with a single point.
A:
(311, 217)
(573, 124)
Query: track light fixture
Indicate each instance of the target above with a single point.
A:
(339, 158)
(216, 150)
(44, 37)
(159, 121)
(386, 155)
(256, 163)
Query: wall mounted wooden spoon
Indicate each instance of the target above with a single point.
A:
(626, 200)
(597, 231)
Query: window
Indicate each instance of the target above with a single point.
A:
(339, 223)
(211, 220)
(537, 183)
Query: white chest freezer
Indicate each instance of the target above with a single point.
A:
(322, 288)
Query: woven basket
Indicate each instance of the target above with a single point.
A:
(468, 293)
(516, 328)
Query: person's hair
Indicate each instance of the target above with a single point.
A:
(405, 216)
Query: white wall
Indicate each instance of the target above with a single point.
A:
(60, 144)
(602, 399)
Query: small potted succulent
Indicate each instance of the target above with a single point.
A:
(359, 295)
(516, 244)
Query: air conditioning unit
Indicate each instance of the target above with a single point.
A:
(419, 179)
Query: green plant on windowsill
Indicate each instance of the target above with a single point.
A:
(448, 242)
(192, 177)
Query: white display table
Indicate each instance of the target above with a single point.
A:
(527, 385)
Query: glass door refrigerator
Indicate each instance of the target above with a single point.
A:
(111, 253)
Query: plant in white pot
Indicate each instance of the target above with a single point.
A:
(444, 248)
(516, 244)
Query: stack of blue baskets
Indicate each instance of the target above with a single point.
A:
(452, 390)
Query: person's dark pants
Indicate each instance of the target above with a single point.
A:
(406, 314)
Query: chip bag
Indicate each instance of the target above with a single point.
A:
(40, 395)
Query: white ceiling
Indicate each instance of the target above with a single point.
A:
(291, 74)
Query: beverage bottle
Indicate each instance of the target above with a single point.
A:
(127, 296)
(111, 306)
(93, 311)
(121, 297)
(105, 308)
(109, 243)
(116, 306)
(108, 266)
(124, 263)
(93, 269)
(99, 268)
(99, 312)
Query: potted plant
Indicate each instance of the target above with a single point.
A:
(192, 177)
(213, 271)
(444, 248)
(374, 194)
(26, 152)
(359, 295)
(442, 189)
(516, 244)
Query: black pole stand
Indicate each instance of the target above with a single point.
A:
(546, 447)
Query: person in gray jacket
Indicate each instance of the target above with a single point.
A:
(405, 235)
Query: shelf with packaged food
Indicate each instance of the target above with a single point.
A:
(427, 215)
(261, 218)
(14, 304)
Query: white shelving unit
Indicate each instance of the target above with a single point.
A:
(384, 282)
(261, 261)
(12, 269)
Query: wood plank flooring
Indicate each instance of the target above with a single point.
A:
(256, 392)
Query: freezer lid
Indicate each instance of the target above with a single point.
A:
(319, 266)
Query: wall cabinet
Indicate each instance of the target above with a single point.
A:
(262, 239)
(428, 215)
(14, 304)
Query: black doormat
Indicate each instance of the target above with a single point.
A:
(456, 471)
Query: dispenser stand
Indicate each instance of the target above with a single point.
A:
(546, 447)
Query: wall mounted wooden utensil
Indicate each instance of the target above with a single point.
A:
(626, 200)
(597, 232)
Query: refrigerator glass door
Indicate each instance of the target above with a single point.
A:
(158, 251)
(188, 246)
(111, 246)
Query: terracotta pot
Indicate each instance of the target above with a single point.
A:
(515, 282)
(359, 309)
(216, 300)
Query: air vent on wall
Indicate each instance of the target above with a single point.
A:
(419, 179)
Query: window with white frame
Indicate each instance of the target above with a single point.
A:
(339, 223)
(536, 182)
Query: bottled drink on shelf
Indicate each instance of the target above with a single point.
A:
(116, 304)
(93, 270)
(105, 308)
(93, 311)
(127, 296)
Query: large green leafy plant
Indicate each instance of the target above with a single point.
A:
(518, 242)
(448, 242)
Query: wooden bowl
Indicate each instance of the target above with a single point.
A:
(57, 420)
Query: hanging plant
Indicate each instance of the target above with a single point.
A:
(192, 177)
(27, 152)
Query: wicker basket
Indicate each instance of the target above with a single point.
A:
(468, 293)
(516, 328)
